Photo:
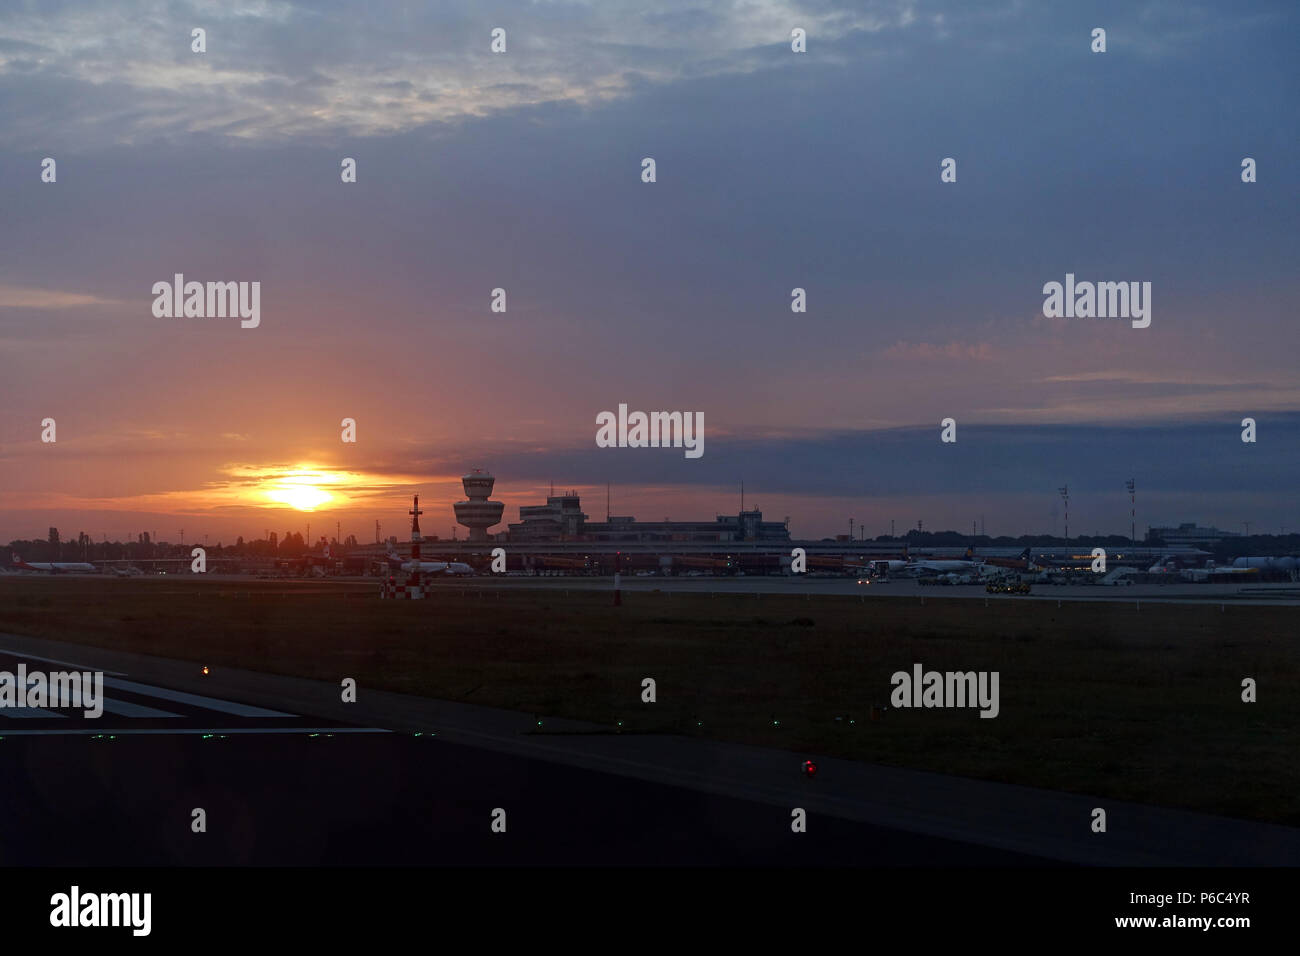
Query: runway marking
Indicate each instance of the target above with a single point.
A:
(29, 712)
(210, 703)
(51, 660)
(126, 708)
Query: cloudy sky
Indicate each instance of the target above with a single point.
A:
(522, 170)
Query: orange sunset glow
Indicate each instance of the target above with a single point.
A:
(301, 490)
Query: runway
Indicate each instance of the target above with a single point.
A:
(287, 774)
(286, 789)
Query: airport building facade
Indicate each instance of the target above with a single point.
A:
(1189, 535)
(562, 519)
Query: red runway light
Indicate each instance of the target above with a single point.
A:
(809, 768)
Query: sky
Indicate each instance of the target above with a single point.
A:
(522, 170)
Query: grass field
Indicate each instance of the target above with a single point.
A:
(1140, 705)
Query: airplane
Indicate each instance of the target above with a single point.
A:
(1173, 568)
(450, 568)
(54, 567)
(1211, 571)
(880, 567)
(943, 565)
(884, 566)
(397, 563)
(1022, 562)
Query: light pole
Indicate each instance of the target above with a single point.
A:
(1065, 496)
(1132, 514)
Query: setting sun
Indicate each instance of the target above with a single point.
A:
(300, 490)
(302, 497)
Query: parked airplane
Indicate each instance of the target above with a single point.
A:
(452, 568)
(1280, 565)
(942, 566)
(1169, 567)
(1021, 562)
(397, 563)
(885, 566)
(53, 567)
(1212, 572)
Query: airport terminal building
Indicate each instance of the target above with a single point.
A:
(1189, 535)
(561, 519)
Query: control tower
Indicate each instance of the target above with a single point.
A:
(478, 514)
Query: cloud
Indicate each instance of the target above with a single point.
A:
(124, 72)
(19, 297)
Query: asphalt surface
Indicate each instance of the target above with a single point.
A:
(396, 800)
(282, 788)
(287, 774)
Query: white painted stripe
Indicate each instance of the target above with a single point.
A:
(128, 709)
(211, 703)
(51, 660)
(123, 732)
(28, 712)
